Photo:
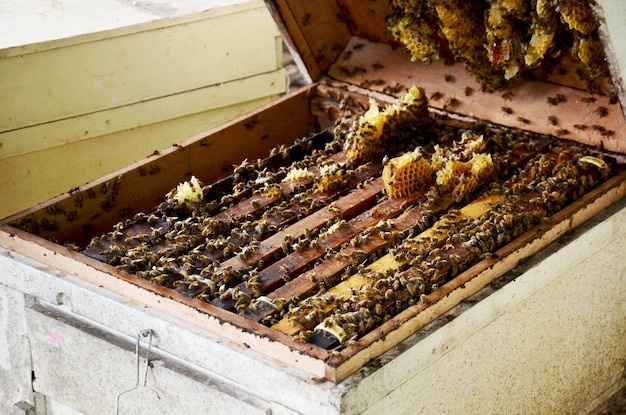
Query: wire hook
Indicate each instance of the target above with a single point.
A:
(143, 333)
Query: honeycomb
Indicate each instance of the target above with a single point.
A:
(186, 194)
(413, 26)
(374, 131)
(407, 174)
(499, 40)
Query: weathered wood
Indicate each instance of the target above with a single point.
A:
(205, 316)
(92, 209)
(388, 263)
(528, 108)
(210, 156)
(314, 29)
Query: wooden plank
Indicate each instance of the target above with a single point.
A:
(367, 21)
(241, 333)
(36, 177)
(345, 207)
(315, 30)
(142, 185)
(275, 275)
(388, 263)
(123, 69)
(383, 69)
(63, 24)
(226, 95)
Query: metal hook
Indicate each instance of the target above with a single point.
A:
(142, 333)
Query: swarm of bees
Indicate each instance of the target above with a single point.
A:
(333, 236)
(498, 40)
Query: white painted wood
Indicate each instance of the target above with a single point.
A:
(15, 367)
(135, 64)
(99, 85)
(25, 22)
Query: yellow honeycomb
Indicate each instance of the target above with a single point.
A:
(186, 193)
(371, 133)
(410, 24)
(407, 174)
(577, 15)
(464, 177)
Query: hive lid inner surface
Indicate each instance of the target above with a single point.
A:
(350, 42)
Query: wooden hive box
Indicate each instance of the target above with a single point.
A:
(103, 86)
(347, 51)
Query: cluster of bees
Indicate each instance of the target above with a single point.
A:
(428, 257)
(317, 240)
(498, 40)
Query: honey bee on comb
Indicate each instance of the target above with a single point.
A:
(499, 40)
(503, 43)
(407, 174)
(542, 30)
(372, 132)
(412, 23)
(458, 22)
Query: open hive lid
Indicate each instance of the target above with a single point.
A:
(347, 48)
(349, 42)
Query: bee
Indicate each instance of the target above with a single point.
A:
(588, 100)
(244, 253)
(602, 112)
(335, 210)
(377, 66)
(468, 91)
(435, 96)
(581, 127)
(449, 78)
(599, 128)
(553, 120)
(523, 120)
(557, 99)
(562, 131)
(451, 103)
(228, 251)
(91, 194)
(508, 95)
(251, 122)
(507, 110)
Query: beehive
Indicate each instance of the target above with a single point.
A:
(359, 62)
